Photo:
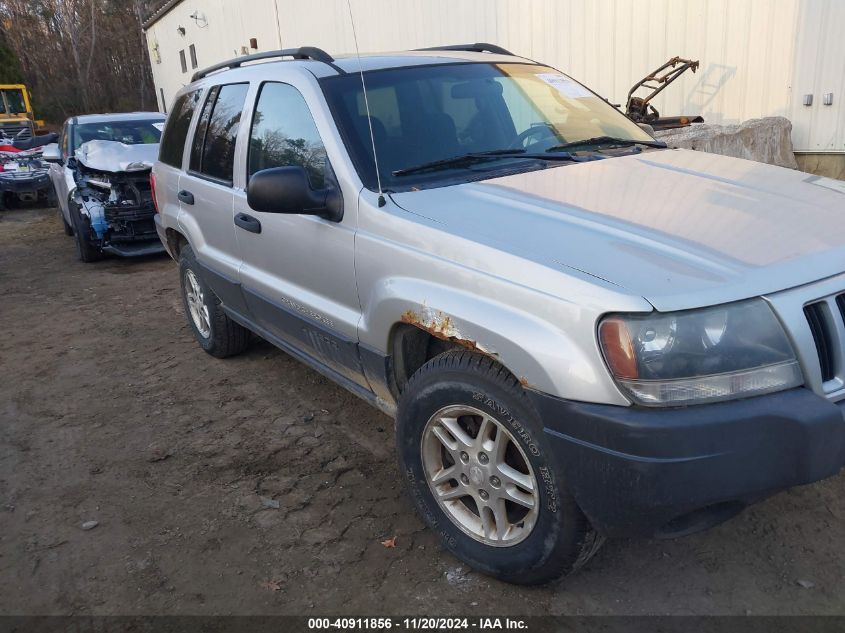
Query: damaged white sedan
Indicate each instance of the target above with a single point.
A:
(100, 169)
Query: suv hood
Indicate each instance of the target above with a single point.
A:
(115, 156)
(680, 228)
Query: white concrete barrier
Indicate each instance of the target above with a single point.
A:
(765, 140)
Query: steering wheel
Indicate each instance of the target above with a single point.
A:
(542, 132)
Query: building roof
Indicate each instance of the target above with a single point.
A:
(159, 12)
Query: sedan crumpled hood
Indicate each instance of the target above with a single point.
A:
(680, 228)
(113, 156)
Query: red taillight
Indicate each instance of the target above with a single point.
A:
(153, 190)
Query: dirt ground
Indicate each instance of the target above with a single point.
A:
(254, 486)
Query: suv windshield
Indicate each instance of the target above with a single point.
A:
(12, 101)
(129, 132)
(435, 113)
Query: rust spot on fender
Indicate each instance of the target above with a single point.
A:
(441, 326)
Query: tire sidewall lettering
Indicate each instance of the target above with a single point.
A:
(518, 428)
(543, 471)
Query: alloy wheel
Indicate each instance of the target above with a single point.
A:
(196, 304)
(480, 476)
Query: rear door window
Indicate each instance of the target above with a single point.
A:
(213, 149)
(195, 161)
(176, 129)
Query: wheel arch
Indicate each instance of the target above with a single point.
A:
(541, 354)
(176, 240)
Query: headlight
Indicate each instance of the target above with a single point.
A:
(697, 356)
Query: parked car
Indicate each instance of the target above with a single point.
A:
(100, 170)
(580, 333)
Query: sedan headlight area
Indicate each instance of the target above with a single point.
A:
(698, 356)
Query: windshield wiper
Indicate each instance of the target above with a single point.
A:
(605, 140)
(479, 157)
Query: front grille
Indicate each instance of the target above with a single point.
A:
(813, 316)
(817, 318)
(840, 303)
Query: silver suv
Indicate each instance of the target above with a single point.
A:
(580, 333)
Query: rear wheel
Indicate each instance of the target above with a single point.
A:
(477, 463)
(216, 333)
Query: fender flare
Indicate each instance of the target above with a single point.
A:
(539, 353)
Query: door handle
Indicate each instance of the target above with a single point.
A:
(248, 223)
(186, 196)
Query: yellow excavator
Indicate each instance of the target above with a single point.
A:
(17, 121)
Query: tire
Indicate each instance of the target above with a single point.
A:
(67, 228)
(87, 251)
(474, 388)
(52, 198)
(216, 333)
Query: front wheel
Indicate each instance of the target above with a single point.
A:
(480, 472)
(88, 251)
(67, 228)
(52, 198)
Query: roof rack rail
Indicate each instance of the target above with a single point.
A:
(478, 47)
(304, 52)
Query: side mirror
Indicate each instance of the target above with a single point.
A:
(52, 154)
(287, 190)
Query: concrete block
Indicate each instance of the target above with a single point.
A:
(766, 140)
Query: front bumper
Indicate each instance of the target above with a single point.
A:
(670, 472)
(134, 249)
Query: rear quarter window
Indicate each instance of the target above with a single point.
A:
(176, 129)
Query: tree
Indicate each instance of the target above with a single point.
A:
(80, 56)
(10, 68)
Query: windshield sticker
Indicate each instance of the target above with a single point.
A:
(565, 86)
(159, 126)
(827, 183)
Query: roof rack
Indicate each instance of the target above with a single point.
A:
(304, 52)
(478, 47)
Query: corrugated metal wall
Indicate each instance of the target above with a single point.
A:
(819, 69)
(750, 50)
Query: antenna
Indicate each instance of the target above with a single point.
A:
(381, 200)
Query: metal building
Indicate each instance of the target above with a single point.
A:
(758, 57)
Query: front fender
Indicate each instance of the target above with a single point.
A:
(540, 352)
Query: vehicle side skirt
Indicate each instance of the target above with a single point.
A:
(228, 290)
(338, 358)
(294, 326)
(317, 365)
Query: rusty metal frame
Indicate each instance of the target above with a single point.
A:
(639, 112)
